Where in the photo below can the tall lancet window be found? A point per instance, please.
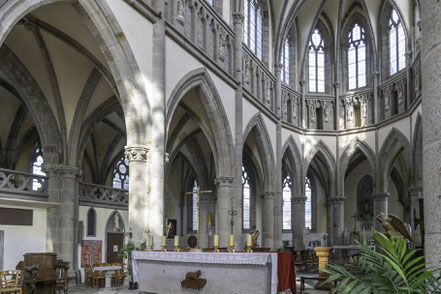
(121, 174)
(246, 194)
(37, 165)
(357, 58)
(397, 44)
(308, 203)
(195, 206)
(285, 61)
(316, 63)
(252, 27)
(287, 194)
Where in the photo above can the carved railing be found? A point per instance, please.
(392, 95)
(291, 106)
(103, 196)
(197, 21)
(356, 109)
(20, 185)
(416, 78)
(258, 81)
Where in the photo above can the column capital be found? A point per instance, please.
(136, 153)
(376, 74)
(278, 67)
(337, 200)
(268, 195)
(337, 84)
(380, 196)
(238, 17)
(299, 200)
(67, 171)
(302, 83)
(223, 181)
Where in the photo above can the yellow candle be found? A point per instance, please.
(249, 241)
(216, 240)
(231, 240)
(151, 240)
(176, 241)
(164, 240)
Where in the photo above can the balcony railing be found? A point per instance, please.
(103, 196)
(291, 107)
(20, 185)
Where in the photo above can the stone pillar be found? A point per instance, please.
(62, 221)
(416, 196)
(224, 204)
(278, 228)
(338, 219)
(338, 124)
(298, 222)
(2, 249)
(157, 157)
(238, 144)
(205, 206)
(380, 205)
(268, 219)
(431, 97)
(138, 197)
(304, 111)
(377, 105)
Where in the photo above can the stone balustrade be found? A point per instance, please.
(291, 106)
(103, 196)
(20, 185)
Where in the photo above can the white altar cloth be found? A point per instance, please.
(221, 258)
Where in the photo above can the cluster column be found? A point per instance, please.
(62, 220)
(224, 206)
(278, 227)
(431, 97)
(338, 218)
(268, 219)
(298, 222)
(380, 205)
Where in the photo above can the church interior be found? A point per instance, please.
(254, 132)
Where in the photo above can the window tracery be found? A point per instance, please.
(285, 61)
(397, 44)
(252, 27)
(121, 174)
(308, 203)
(316, 63)
(37, 165)
(246, 194)
(287, 194)
(357, 57)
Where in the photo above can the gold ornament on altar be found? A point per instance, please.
(192, 281)
(393, 226)
(198, 192)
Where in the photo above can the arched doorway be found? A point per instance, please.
(115, 237)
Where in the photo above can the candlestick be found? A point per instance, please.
(176, 243)
(164, 243)
(231, 243)
(150, 247)
(249, 243)
(216, 243)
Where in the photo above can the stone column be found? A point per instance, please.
(205, 206)
(338, 124)
(2, 249)
(224, 188)
(138, 197)
(298, 222)
(377, 105)
(268, 219)
(62, 221)
(416, 196)
(380, 205)
(338, 219)
(278, 237)
(431, 97)
(303, 85)
(238, 144)
(157, 157)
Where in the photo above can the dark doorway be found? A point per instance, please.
(114, 243)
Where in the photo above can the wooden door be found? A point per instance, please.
(114, 244)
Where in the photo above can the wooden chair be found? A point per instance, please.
(97, 277)
(119, 276)
(61, 280)
(88, 275)
(9, 282)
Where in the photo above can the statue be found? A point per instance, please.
(180, 10)
(193, 281)
(221, 45)
(116, 223)
(393, 226)
(169, 226)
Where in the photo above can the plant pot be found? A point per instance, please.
(131, 286)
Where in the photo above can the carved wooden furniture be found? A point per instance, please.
(61, 280)
(119, 275)
(88, 275)
(10, 282)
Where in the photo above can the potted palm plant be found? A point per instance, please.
(126, 252)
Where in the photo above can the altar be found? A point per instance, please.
(163, 272)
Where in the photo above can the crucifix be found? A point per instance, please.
(232, 213)
(198, 192)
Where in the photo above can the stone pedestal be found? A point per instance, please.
(323, 257)
(298, 222)
(380, 205)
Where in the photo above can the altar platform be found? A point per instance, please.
(163, 272)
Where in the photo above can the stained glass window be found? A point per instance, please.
(91, 222)
(252, 26)
(246, 194)
(195, 206)
(285, 61)
(37, 165)
(287, 194)
(308, 204)
(121, 174)
(357, 58)
(397, 44)
(316, 63)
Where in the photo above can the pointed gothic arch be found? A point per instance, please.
(291, 150)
